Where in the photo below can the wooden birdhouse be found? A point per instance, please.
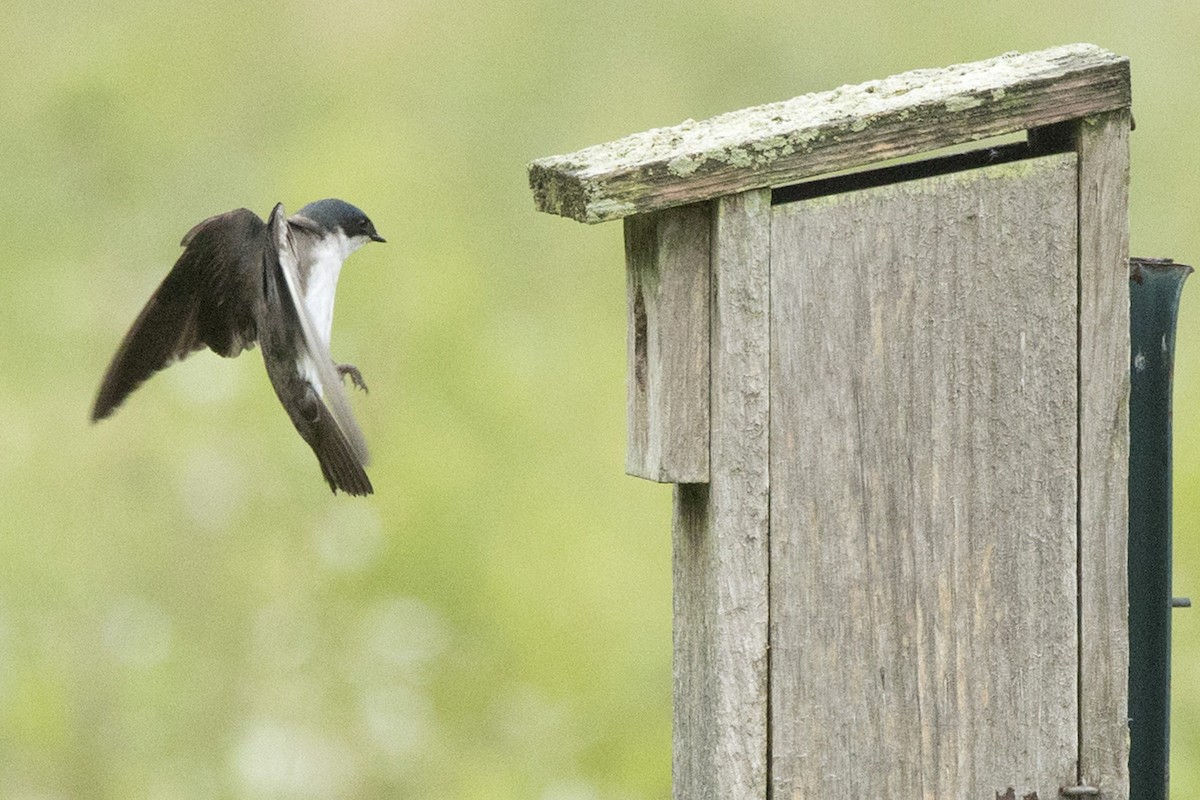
(893, 398)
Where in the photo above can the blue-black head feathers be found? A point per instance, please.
(332, 213)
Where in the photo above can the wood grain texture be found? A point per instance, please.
(781, 143)
(1103, 149)
(667, 289)
(923, 498)
(721, 532)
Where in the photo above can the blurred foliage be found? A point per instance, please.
(185, 611)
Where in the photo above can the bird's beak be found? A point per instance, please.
(375, 237)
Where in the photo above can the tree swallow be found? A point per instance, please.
(241, 281)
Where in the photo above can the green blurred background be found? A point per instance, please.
(185, 610)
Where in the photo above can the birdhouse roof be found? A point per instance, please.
(782, 143)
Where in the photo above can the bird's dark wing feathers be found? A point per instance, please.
(333, 435)
(209, 298)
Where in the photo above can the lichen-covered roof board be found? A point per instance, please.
(814, 134)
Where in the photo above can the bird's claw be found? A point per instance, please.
(355, 376)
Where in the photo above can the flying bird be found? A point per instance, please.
(242, 281)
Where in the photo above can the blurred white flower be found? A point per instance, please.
(405, 632)
(211, 486)
(274, 759)
(137, 633)
(350, 538)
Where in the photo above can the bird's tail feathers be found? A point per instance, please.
(339, 464)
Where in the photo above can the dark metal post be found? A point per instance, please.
(1155, 287)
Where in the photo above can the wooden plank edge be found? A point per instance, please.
(1103, 146)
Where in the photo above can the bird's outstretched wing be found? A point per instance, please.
(327, 425)
(210, 298)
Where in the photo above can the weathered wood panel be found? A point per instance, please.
(1103, 148)
(781, 143)
(721, 532)
(667, 269)
(923, 498)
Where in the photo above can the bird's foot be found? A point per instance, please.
(355, 376)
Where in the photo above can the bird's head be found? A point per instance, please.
(333, 217)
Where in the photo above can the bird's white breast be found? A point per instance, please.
(326, 258)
